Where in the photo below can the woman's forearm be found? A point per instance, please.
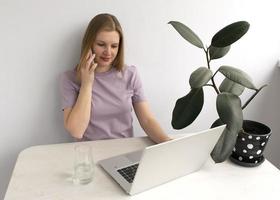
(78, 119)
(154, 131)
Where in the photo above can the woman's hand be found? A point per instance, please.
(76, 118)
(87, 70)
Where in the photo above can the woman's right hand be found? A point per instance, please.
(76, 118)
(87, 70)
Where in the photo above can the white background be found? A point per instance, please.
(40, 39)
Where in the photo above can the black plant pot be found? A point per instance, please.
(250, 144)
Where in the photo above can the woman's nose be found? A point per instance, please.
(107, 50)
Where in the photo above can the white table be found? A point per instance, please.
(44, 173)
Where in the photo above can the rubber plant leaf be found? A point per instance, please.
(229, 110)
(238, 76)
(187, 33)
(230, 34)
(231, 87)
(200, 77)
(230, 113)
(218, 52)
(187, 108)
(224, 146)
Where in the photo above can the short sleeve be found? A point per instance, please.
(68, 90)
(138, 91)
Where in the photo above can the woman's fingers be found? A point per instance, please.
(90, 61)
(92, 58)
(90, 65)
(89, 53)
(88, 58)
(92, 68)
(87, 68)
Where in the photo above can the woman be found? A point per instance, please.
(98, 96)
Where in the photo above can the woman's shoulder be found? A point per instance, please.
(130, 69)
(69, 76)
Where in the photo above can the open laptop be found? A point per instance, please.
(157, 164)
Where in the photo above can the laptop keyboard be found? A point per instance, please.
(129, 172)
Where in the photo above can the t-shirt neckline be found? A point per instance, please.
(105, 73)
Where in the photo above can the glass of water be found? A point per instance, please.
(83, 164)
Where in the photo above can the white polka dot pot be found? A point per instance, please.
(250, 144)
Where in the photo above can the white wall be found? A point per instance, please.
(40, 39)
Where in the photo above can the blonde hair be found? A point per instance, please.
(102, 22)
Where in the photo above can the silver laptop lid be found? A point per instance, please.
(167, 161)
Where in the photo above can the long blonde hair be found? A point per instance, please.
(102, 22)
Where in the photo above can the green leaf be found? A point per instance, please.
(229, 110)
(187, 108)
(230, 113)
(238, 76)
(230, 34)
(224, 146)
(229, 86)
(218, 52)
(187, 33)
(216, 123)
(200, 77)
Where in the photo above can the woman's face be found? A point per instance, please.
(106, 48)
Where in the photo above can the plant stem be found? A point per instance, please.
(208, 65)
(252, 97)
(215, 73)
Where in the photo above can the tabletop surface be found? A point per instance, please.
(45, 172)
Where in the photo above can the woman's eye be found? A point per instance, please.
(100, 45)
(114, 47)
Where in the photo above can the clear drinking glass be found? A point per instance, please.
(83, 164)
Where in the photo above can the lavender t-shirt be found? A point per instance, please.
(113, 94)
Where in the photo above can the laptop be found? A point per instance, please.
(141, 170)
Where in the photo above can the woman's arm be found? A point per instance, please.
(76, 118)
(149, 123)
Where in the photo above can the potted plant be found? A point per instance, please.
(252, 136)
